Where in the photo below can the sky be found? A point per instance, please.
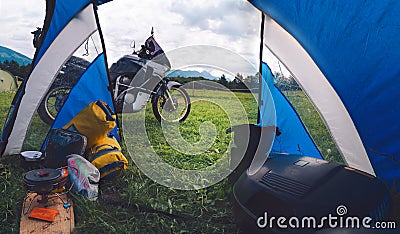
(230, 24)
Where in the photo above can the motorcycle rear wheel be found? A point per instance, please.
(52, 103)
(175, 110)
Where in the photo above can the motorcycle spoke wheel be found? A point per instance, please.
(174, 107)
(52, 103)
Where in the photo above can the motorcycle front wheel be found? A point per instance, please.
(52, 103)
(173, 106)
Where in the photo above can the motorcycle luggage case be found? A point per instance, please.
(128, 65)
(299, 186)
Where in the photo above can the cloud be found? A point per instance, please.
(231, 24)
(18, 18)
(225, 17)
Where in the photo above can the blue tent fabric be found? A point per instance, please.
(355, 44)
(294, 138)
(99, 2)
(267, 106)
(92, 86)
(64, 11)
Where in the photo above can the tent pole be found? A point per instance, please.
(110, 88)
(260, 79)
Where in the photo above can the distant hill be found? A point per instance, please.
(9, 54)
(186, 74)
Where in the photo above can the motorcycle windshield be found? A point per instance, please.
(156, 52)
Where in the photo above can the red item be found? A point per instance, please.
(45, 214)
(43, 173)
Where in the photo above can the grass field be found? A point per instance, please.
(136, 204)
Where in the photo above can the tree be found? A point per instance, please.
(223, 80)
(14, 68)
(251, 81)
(238, 82)
(286, 83)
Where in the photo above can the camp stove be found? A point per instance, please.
(45, 181)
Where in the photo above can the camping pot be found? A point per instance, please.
(43, 181)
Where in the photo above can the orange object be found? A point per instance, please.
(64, 172)
(45, 214)
(59, 190)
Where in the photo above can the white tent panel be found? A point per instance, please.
(64, 45)
(319, 90)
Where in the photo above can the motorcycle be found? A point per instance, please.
(136, 79)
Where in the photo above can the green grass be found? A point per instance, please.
(5, 101)
(314, 125)
(203, 110)
(127, 204)
(35, 135)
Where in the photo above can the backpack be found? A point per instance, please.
(106, 156)
(95, 121)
